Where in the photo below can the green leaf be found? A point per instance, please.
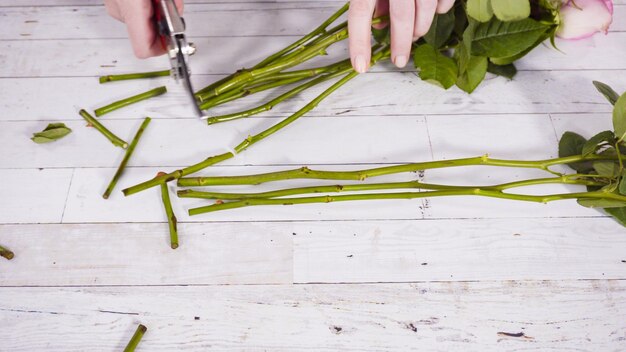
(51, 133)
(511, 10)
(381, 35)
(606, 168)
(607, 91)
(509, 71)
(590, 146)
(618, 214)
(619, 117)
(480, 10)
(622, 185)
(601, 203)
(460, 19)
(497, 39)
(475, 72)
(441, 29)
(572, 144)
(435, 67)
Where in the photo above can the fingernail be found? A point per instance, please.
(359, 64)
(400, 61)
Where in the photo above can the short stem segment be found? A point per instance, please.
(117, 141)
(134, 341)
(140, 75)
(131, 100)
(6, 253)
(171, 218)
(129, 152)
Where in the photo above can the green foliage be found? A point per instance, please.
(497, 39)
(480, 10)
(572, 144)
(441, 29)
(606, 168)
(435, 67)
(592, 144)
(618, 214)
(51, 133)
(607, 91)
(601, 203)
(473, 74)
(511, 10)
(619, 117)
(509, 71)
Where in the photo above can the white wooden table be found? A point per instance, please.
(427, 275)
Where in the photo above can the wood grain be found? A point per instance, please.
(576, 315)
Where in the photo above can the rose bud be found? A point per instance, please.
(583, 18)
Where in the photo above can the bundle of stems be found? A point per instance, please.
(226, 200)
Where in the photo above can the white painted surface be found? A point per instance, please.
(441, 274)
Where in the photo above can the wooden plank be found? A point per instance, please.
(140, 254)
(172, 142)
(213, 20)
(372, 94)
(261, 19)
(466, 250)
(465, 316)
(33, 195)
(89, 57)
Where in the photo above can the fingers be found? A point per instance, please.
(425, 13)
(137, 15)
(444, 6)
(180, 7)
(359, 27)
(113, 9)
(402, 14)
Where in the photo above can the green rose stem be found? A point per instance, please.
(484, 192)
(318, 48)
(321, 29)
(236, 94)
(568, 179)
(270, 104)
(117, 141)
(171, 218)
(131, 100)
(139, 75)
(129, 152)
(252, 139)
(361, 175)
(6, 253)
(269, 82)
(134, 341)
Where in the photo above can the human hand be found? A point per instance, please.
(410, 20)
(137, 15)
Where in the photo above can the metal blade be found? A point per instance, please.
(184, 75)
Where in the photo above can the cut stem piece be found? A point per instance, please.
(139, 75)
(131, 100)
(117, 141)
(171, 218)
(6, 253)
(129, 152)
(134, 341)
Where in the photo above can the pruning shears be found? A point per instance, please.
(171, 30)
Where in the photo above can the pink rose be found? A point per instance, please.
(583, 18)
